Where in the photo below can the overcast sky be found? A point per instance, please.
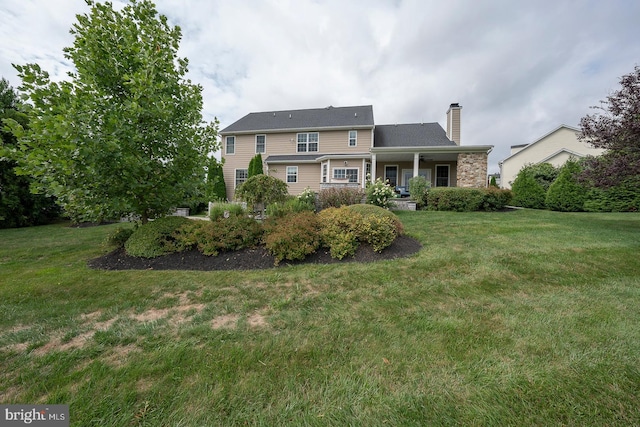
(519, 69)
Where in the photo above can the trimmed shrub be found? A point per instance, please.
(372, 210)
(292, 237)
(378, 231)
(118, 237)
(339, 231)
(381, 194)
(225, 210)
(418, 190)
(624, 197)
(155, 238)
(495, 199)
(454, 199)
(566, 194)
(334, 197)
(222, 234)
(527, 191)
(290, 206)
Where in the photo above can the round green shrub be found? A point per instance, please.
(292, 237)
(373, 210)
(339, 231)
(155, 238)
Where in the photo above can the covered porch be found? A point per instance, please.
(451, 166)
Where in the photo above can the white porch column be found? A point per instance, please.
(416, 164)
(373, 167)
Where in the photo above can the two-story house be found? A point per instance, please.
(323, 147)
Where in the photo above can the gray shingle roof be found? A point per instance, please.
(316, 118)
(411, 135)
(292, 157)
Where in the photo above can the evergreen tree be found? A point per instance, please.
(566, 194)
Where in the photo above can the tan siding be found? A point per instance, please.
(561, 139)
(330, 142)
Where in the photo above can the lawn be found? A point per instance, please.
(514, 318)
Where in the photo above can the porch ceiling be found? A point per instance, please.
(408, 157)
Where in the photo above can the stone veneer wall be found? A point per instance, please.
(472, 170)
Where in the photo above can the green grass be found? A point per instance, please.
(518, 318)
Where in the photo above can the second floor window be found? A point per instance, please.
(261, 144)
(308, 142)
(231, 145)
(353, 138)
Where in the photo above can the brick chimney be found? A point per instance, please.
(453, 123)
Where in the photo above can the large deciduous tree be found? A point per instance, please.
(617, 129)
(124, 134)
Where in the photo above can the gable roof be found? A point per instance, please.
(411, 135)
(526, 146)
(310, 119)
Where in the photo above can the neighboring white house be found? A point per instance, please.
(556, 147)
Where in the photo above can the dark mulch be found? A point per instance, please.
(247, 259)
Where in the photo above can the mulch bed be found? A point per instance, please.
(247, 259)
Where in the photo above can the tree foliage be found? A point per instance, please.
(216, 189)
(616, 127)
(124, 134)
(262, 190)
(255, 166)
(18, 206)
(529, 187)
(566, 194)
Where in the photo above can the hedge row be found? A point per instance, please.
(467, 199)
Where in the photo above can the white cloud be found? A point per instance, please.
(518, 69)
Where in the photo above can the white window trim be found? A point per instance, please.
(296, 174)
(307, 142)
(435, 177)
(235, 176)
(349, 138)
(346, 175)
(265, 144)
(226, 145)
